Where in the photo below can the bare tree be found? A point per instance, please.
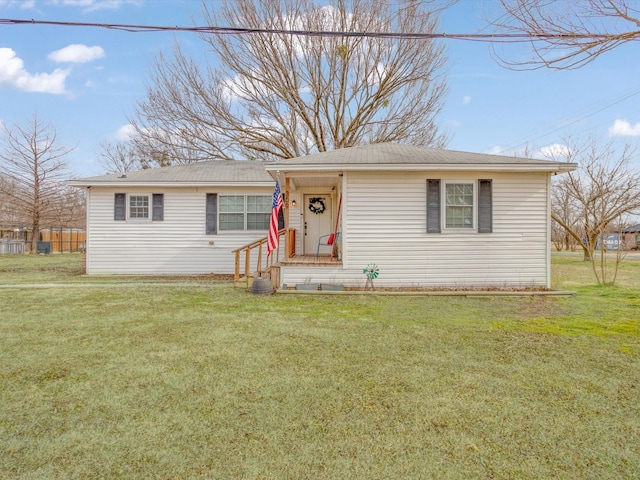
(570, 33)
(33, 162)
(566, 208)
(119, 157)
(68, 209)
(8, 217)
(589, 202)
(279, 95)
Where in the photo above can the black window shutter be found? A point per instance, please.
(158, 206)
(119, 206)
(485, 207)
(433, 206)
(212, 213)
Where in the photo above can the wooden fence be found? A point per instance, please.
(51, 239)
(64, 239)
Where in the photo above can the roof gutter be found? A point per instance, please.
(140, 184)
(491, 167)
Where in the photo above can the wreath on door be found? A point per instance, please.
(317, 205)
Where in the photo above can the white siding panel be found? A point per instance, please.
(177, 245)
(384, 222)
(386, 225)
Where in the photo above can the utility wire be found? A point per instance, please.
(478, 37)
(564, 124)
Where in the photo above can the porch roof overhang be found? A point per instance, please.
(310, 179)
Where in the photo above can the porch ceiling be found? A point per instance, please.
(314, 181)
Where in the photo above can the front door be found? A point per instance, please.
(317, 221)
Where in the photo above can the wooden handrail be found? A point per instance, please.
(247, 259)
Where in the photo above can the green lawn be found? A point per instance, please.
(115, 378)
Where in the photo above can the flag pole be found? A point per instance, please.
(276, 206)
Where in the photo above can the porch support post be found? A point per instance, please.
(287, 247)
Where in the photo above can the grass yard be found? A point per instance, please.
(118, 378)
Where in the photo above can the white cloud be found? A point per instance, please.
(76, 54)
(21, 4)
(623, 128)
(78, 3)
(556, 150)
(125, 133)
(466, 100)
(89, 5)
(495, 150)
(14, 75)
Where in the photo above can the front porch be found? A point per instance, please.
(252, 261)
(323, 259)
(310, 233)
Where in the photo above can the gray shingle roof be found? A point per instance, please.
(215, 172)
(370, 157)
(397, 154)
(632, 229)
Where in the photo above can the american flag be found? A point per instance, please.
(272, 238)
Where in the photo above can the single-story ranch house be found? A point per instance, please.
(427, 218)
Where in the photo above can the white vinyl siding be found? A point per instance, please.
(385, 223)
(179, 245)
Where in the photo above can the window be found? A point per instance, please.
(458, 205)
(231, 212)
(239, 212)
(258, 212)
(464, 206)
(139, 206)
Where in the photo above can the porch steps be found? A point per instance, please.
(246, 281)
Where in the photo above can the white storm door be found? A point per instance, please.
(317, 221)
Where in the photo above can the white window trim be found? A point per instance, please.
(443, 207)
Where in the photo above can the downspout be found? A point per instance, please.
(87, 236)
(287, 247)
(548, 236)
(343, 227)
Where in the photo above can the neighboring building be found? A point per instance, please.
(631, 237)
(425, 217)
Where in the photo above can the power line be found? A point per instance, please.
(478, 37)
(564, 123)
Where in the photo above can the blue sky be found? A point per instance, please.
(86, 81)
